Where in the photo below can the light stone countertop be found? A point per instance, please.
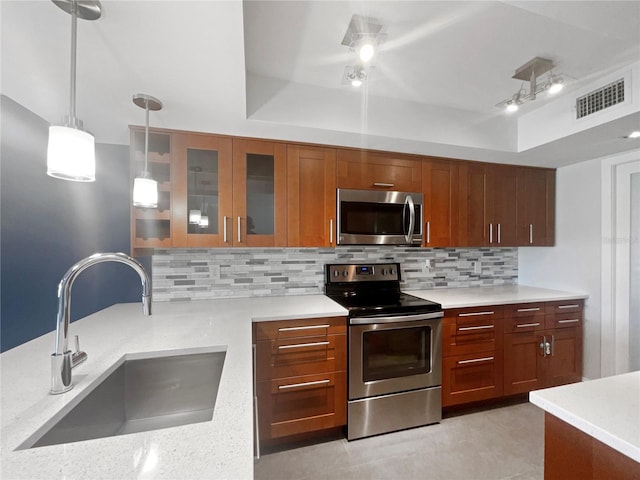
(608, 409)
(221, 448)
(497, 295)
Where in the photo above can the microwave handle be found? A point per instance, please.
(412, 219)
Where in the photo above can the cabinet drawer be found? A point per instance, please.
(470, 338)
(302, 404)
(564, 320)
(291, 357)
(567, 306)
(306, 327)
(469, 378)
(524, 317)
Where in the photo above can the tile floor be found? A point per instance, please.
(506, 442)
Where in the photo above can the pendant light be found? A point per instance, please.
(71, 153)
(145, 189)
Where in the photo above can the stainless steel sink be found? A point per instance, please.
(139, 393)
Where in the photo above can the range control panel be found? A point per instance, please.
(362, 272)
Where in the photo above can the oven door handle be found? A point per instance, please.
(395, 318)
(412, 218)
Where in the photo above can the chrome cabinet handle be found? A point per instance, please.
(475, 360)
(536, 309)
(239, 229)
(384, 185)
(224, 229)
(491, 233)
(306, 327)
(331, 232)
(473, 314)
(553, 345)
(575, 320)
(546, 346)
(302, 345)
(483, 327)
(303, 384)
(531, 233)
(499, 241)
(428, 232)
(575, 305)
(524, 325)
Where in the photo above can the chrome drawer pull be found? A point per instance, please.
(483, 327)
(536, 309)
(475, 360)
(568, 306)
(474, 314)
(385, 185)
(302, 345)
(524, 325)
(304, 384)
(307, 327)
(575, 320)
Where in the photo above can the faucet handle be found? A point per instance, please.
(78, 356)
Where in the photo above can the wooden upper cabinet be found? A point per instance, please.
(365, 170)
(259, 194)
(502, 205)
(152, 227)
(487, 205)
(440, 187)
(536, 206)
(202, 190)
(311, 196)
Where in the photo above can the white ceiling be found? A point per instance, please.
(274, 69)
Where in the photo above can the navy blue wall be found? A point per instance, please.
(48, 224)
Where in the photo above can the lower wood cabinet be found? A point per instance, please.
(501, 350)
(300, 376)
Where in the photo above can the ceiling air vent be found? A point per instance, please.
(600, 99)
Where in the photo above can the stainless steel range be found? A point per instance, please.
(395, 355)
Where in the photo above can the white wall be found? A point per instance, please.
(574, 263)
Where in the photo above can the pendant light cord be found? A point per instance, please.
(146, 137)
(72, 89)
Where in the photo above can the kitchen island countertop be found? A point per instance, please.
(220, 448)
(607, 409)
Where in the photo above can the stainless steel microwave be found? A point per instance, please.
(373, 217)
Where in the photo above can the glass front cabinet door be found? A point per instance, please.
(202, 191)
(259, 194)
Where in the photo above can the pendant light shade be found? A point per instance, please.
(145, 193)
(145, 189)
(71, 153)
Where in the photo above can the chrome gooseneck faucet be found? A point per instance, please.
(63, 360)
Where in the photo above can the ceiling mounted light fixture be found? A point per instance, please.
(71, 153)
(530, 72)
(363, 36)
(145, 189)
(354, 75)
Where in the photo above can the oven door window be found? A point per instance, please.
(393, 353)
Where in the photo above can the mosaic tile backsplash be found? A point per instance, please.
(195, 274)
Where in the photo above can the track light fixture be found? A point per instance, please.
(363, 36)
(355, 75)
(531, 72)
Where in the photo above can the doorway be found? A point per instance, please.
(621, 265)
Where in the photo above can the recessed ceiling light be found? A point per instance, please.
(512, 107)
(634, 134)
